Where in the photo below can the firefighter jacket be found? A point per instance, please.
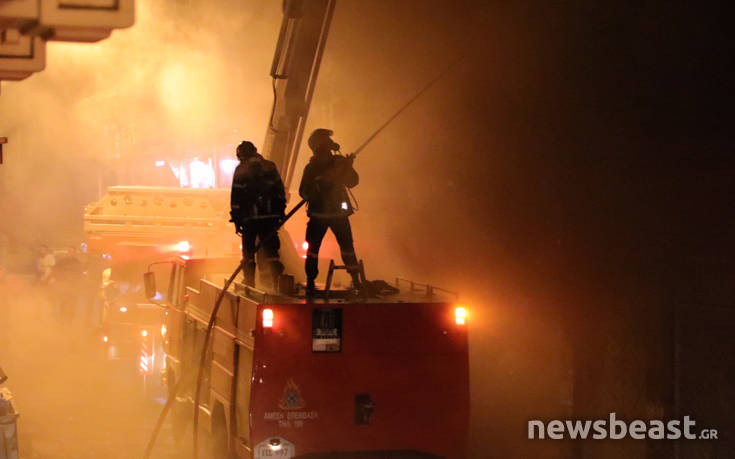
(257, 191)
(324, 186)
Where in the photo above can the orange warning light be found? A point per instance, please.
(460, 315)
(267, 318)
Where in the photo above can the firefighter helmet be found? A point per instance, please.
(322, 138)
(246, 148)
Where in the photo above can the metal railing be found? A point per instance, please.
(428, 289)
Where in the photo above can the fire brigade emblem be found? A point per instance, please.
(291, 398)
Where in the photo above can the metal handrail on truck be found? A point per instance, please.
(428, 288)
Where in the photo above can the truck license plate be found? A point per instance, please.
(264, 450)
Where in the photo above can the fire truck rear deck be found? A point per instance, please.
(341, 377)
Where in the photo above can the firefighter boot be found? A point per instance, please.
(310, 288)
(356, 284)
(248, 272)
(358, 288)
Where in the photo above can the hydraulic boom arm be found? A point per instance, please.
(294, 71)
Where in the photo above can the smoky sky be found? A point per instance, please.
(571, 136)
(572, 163)
(188, 79)
(567, 176)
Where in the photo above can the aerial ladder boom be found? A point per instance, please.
(294, 71)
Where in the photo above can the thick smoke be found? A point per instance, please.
(569, 176)
(187, 79)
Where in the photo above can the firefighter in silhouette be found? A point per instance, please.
(257, 203)
(324, 186)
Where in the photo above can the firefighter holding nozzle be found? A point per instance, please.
(257, 202)
(324, 186)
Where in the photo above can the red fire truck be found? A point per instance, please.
(383, 375)
(340, 376)
(129, 228)
(379, 374)
(135, 228)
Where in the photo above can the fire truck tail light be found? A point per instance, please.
(267, 318)
(460, 315)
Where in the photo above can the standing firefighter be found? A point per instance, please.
(258, 200)
(324, 186)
